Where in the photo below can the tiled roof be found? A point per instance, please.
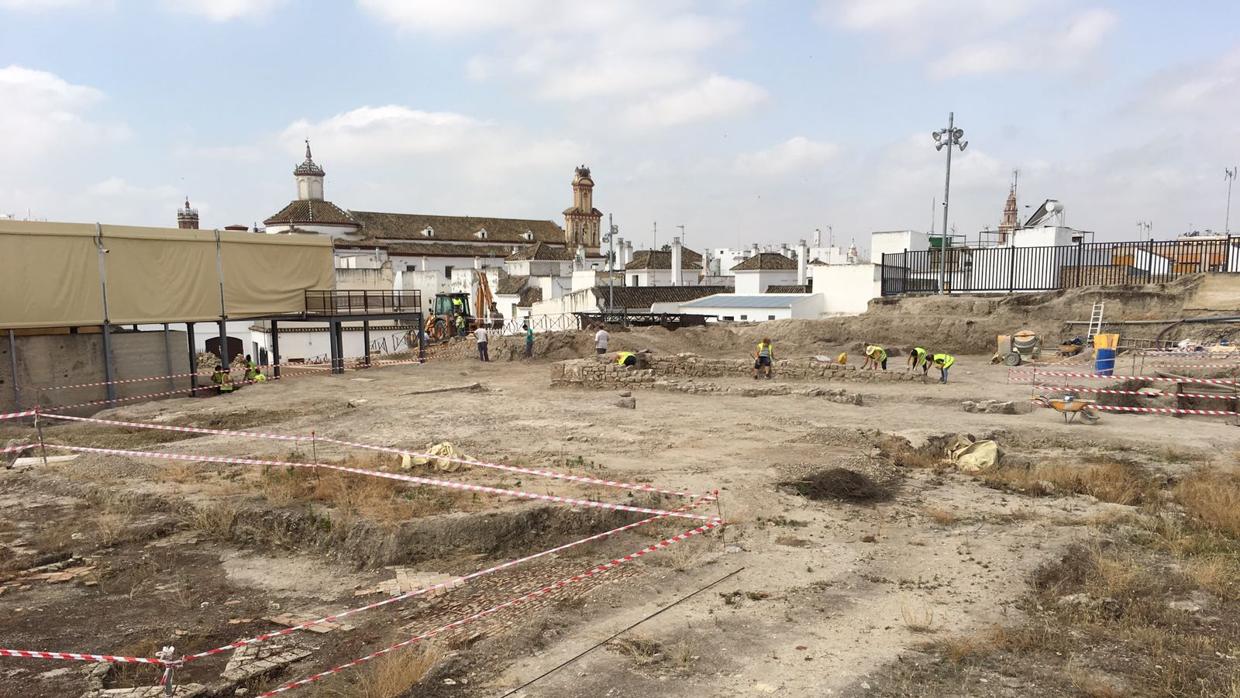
(662, 259)
(766, 261)
(510, 285)
(644, 296)
(794, 288)
(529, 297)
(308, 212)
(444, 249)
(410, 226)
(541, 252)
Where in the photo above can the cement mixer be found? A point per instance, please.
(1016, 349)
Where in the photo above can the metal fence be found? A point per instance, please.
(1007, 268)
(332, 303)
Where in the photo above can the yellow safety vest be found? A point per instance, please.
(944, 360)
(764, 350)
(622, 355)
(921, 356)
(876, 352)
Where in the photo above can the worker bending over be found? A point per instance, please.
(763, 358)
(919, 358)
(875, 358)
(944, 362)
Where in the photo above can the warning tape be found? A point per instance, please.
(382, 449)
(16, 449)
(16, 415)
(543, 591)
(1107, 391)
(1165, 410)
(147, 396)
(1173, 364)
(81, 657)
(452, 583)
(1065, 374)
(448, 484)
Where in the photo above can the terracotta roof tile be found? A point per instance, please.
(410, 226)
(662, 259)
(308, 212)
(541, 252)
(510, 285)
(529, 296)
(642, 297)
(794, 288)
(766, 261)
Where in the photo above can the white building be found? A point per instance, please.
(756, 274)
(742, 307)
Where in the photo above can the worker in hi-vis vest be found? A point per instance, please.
(626, 358)
(875, 357)
(944, 362)
(763, 358)
(919, 358)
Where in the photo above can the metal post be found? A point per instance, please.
(219, 271)
(38, 427)
(168, 357)
(1230, 176)
(193, 360)
(275, 349)
(17, 391)
(947, 191)
(225, 359)
(1011, 268)
(611, 263)
(108, 377)
(366, 342)
(1080, 249)
(168, 681)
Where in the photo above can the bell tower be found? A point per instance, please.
(187, 218)
(309, 178)
(582, 220)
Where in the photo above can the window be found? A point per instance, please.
(770, 317)
(635, 281)
(447, 272)
(481, 234)
(527, 235)
(727, 318)
(744, 317)
(428, 232)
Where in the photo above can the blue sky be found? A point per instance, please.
(744, 120)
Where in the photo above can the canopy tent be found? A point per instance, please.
(74, 274)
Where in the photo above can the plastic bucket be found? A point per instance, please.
(1104, 362)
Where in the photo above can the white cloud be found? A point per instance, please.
(713, 97)
(576, 51)
(44, 113)
(986, 36)
(49, 5)
(797, 154)
(1210, 87)
(224, 10)
(116, 186)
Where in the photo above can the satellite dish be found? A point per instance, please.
(1053, 207)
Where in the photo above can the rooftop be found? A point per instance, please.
(306, 212)
(736, 300)
(662, 259)
(645, 296)
(766, 261)
(541, 252)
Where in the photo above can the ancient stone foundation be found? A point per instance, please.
(596, 373)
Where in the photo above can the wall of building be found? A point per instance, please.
(891, 242)
(364, 279)
(574, 302)
(1045, 236)
(846, 289)
(68, 359)
(755, 282)
(309, 342)
(807, 307)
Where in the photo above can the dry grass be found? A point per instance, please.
(1217, 574)
(212, 520)
(641, 650)
(918, 620)
(390, 676)
(1116, 482)
(1093, 686)
(1212, 499)
(943, 517)
(110, 528)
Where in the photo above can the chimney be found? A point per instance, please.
(628, 251)
(676, 254)
(477, 262)
(579, 259)
(618, 262)
(802, 262)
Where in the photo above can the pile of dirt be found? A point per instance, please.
(839, 484)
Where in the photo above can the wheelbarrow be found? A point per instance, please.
(1072, 407)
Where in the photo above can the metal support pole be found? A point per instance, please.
(366, 342)
(337, 352)
(193, 359)
(168, 357)
(275, 349)
(168, 680)
(110, 386)
(611, 263)
(947, 191)
(219, 271)
(17, 391)
(1011, 268)
(225, 359)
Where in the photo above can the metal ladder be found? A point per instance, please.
(1095, 321)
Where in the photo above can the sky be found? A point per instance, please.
(742, 120)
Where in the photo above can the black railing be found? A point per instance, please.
(334, 303)
(1007, 268)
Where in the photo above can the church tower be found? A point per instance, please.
(1010, 221)
(582, 220)
(187, 218)
(309, 178)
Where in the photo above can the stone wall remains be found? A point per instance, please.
(596, 373)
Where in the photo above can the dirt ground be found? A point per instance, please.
(864, 594)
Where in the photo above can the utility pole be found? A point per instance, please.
(1230, 176)
(611, 263)
(946, 138)
(655, 245)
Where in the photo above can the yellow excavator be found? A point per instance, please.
(441, 321)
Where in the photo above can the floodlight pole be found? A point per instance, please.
(611, 264)
(1230, 176)
(946, 138)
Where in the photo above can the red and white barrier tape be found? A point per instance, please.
(16, 449)
(1165, 410)
(16, 415)
(80, 657)
(94, 403)
(543, 591)
(1107, 391)
(1099, 376)
(638, 487)
(171, 376)
(448, 484)
(435, 587)
(1172, 364)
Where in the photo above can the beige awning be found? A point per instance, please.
(50, 274)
